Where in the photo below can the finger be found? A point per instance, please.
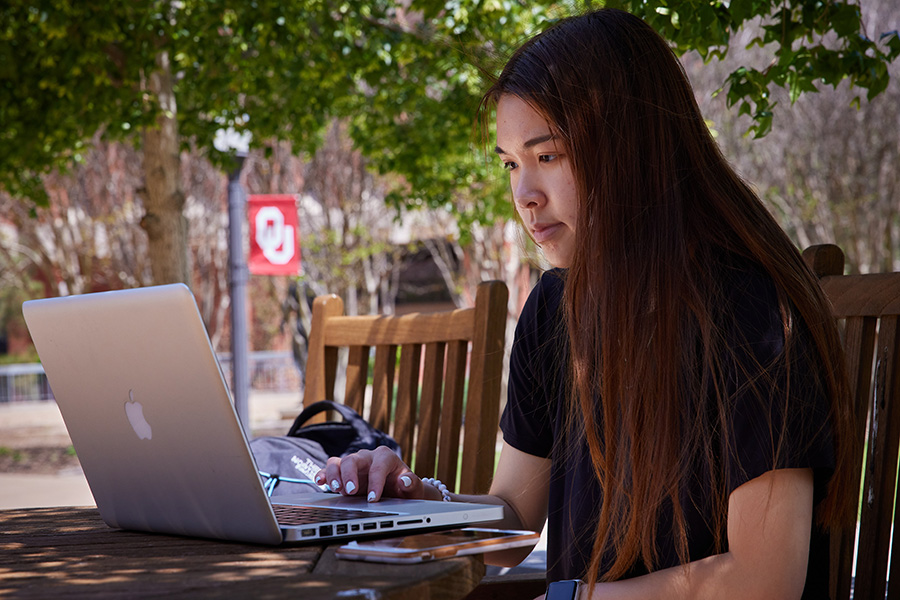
(384, 473)
(409, 485)
(355, 471)
(332, 474)
(321, 477)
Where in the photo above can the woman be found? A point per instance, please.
(677, 400)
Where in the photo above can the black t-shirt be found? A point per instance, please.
(533, 422)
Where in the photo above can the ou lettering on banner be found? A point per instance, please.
(273, 235)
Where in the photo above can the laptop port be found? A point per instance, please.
(369, 526)
(410, 522)
(387, 524)
(354, 527)
(308, 532)
(326, 530)
(339, 529)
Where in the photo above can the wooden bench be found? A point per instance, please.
(447, 361)
(867, 307)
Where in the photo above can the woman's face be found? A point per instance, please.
(540, 175)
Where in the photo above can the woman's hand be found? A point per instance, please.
(374, 473)
(521, 485)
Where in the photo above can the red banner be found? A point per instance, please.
(274, 226)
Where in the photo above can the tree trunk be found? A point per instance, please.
(164, 220)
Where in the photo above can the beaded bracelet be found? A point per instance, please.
(445, 493)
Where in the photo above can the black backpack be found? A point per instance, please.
(288, 463)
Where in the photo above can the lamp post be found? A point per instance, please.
(230, 141)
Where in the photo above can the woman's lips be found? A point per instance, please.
(544, 232)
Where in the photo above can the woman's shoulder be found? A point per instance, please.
(552, 281)
(742, 271)
(751, 306)
(542, 315)
(545, 300)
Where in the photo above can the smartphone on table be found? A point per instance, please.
(434, 545)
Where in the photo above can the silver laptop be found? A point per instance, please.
(152, 421)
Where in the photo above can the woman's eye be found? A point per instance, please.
(508, 165)
(545, 158)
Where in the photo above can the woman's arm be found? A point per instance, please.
(521, 484)
(769, 524)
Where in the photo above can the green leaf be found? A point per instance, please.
(893, 44)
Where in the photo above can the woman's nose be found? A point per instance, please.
(527, 193)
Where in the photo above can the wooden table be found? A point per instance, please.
(70, 552)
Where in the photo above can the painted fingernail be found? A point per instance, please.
(406, 481)
(371, 497)
(335, 485)
(350, 487)
(320, 479)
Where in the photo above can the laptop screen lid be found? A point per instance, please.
(139, 388)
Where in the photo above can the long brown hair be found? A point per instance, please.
(658, 207)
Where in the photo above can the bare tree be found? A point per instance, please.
(828, 169)
(88, 238)
(347, 237)
(349, 244)
(206, 217)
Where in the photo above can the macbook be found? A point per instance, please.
(152, 422)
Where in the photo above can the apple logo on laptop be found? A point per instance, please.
(135, 413)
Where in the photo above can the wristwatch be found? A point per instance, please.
(564, 590)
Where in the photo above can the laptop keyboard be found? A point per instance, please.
(289, 515)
